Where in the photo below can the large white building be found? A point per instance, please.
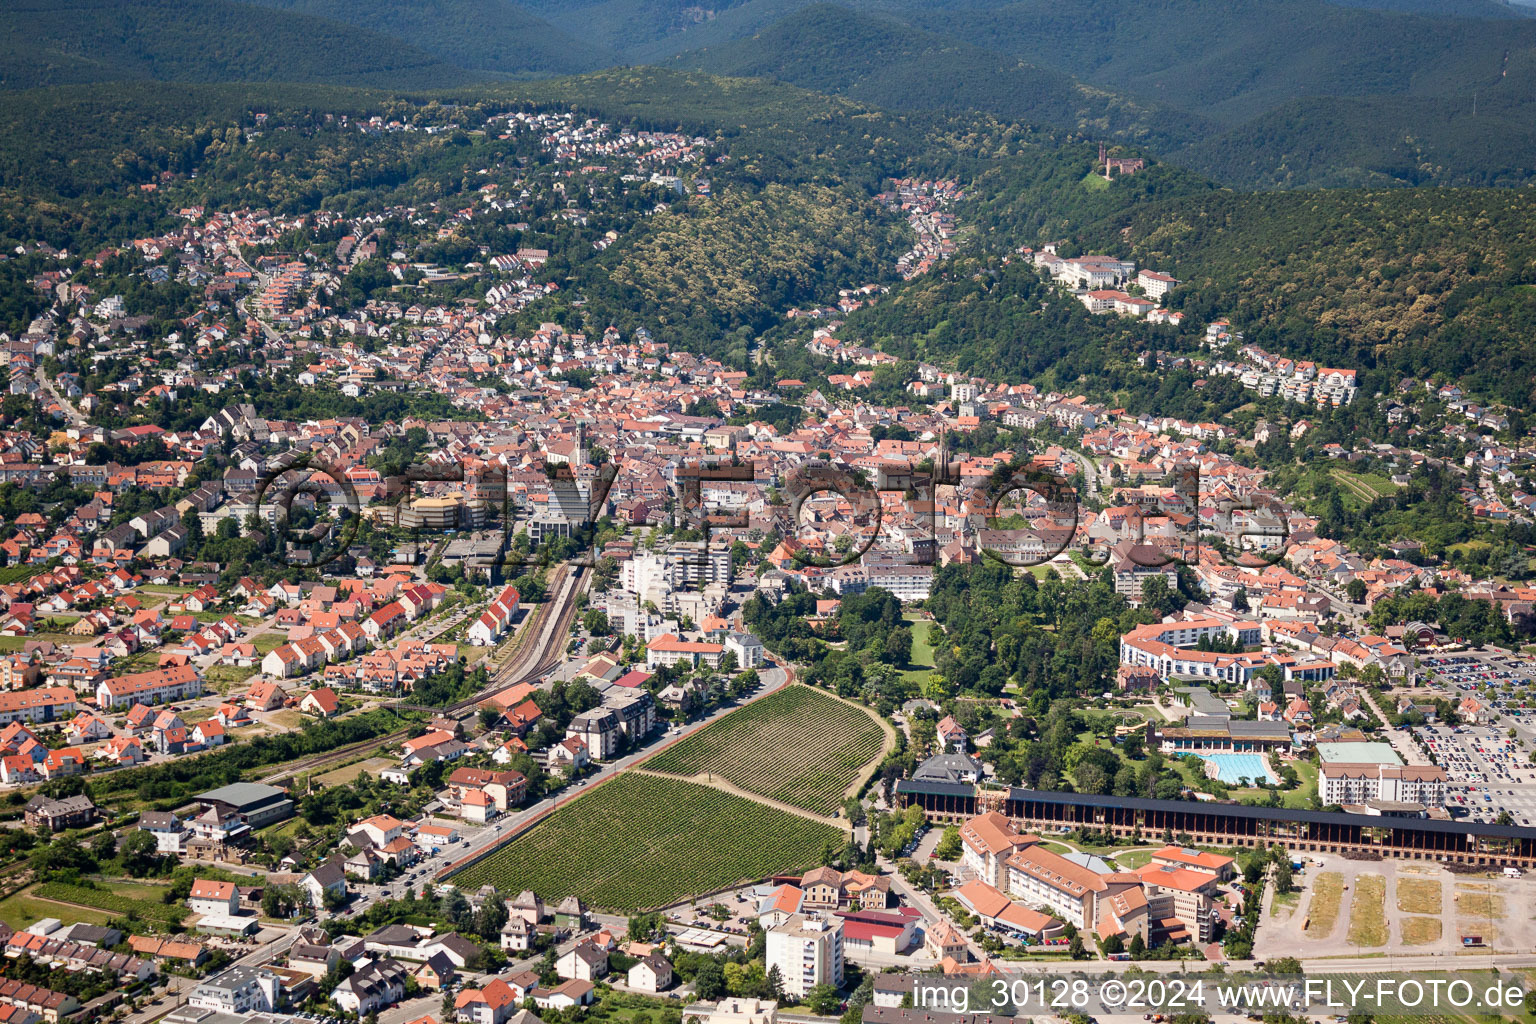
(684, 564)
(808, 951)
(1361, 773)
(1385, 783)
(747, 648)
(238, 990)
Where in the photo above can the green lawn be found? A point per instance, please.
(223, 677)
(22, 910)
(268, 642)
(1133, 859)
(921, 663)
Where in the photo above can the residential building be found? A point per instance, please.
(57, 815)
(808, 951)
(221, 899)
(238, 990)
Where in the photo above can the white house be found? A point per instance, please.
(220, 899)
(652, 973)
(587, 962)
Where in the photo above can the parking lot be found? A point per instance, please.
(1486, 771)
(1506, 682)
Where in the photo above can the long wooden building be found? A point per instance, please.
(1211, 823)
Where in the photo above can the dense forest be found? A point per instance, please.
(879, 61)
(1413, 281)
(743, 258)
(1443, 95)
(48, 43)
(488, 35)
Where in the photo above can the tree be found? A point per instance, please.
(775, 984)
(823, 1000)
(1114, 944)
(104, 846)
(1158, 597)
(1283, 877)
(709, 982)
(139, 852)
(949, 847)
(1355, 590)
(1075, 948)
(1138, 947)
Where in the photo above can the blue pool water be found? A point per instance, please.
(1232, 767)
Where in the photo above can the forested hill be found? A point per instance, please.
(1253, 93)
(1408, 280)
(1331, 142)
(395, 44)
(1235, 60)
(489, 35)
(47, 43)
(1256, 93)
(876, 60)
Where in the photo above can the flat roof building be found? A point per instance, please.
(259, 804)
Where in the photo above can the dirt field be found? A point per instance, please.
(1418, 896)
(1368, 912)
(1397, 908)
(1420, 931)
(1323, 909)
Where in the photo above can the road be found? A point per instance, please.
(261, 284)
(1090, 471)
(75, 416)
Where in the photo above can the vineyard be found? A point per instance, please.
(640, 841)
(799, 745)
(164, 914)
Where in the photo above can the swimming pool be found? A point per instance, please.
(1231, 768)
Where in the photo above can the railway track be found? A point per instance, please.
(538, 655)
